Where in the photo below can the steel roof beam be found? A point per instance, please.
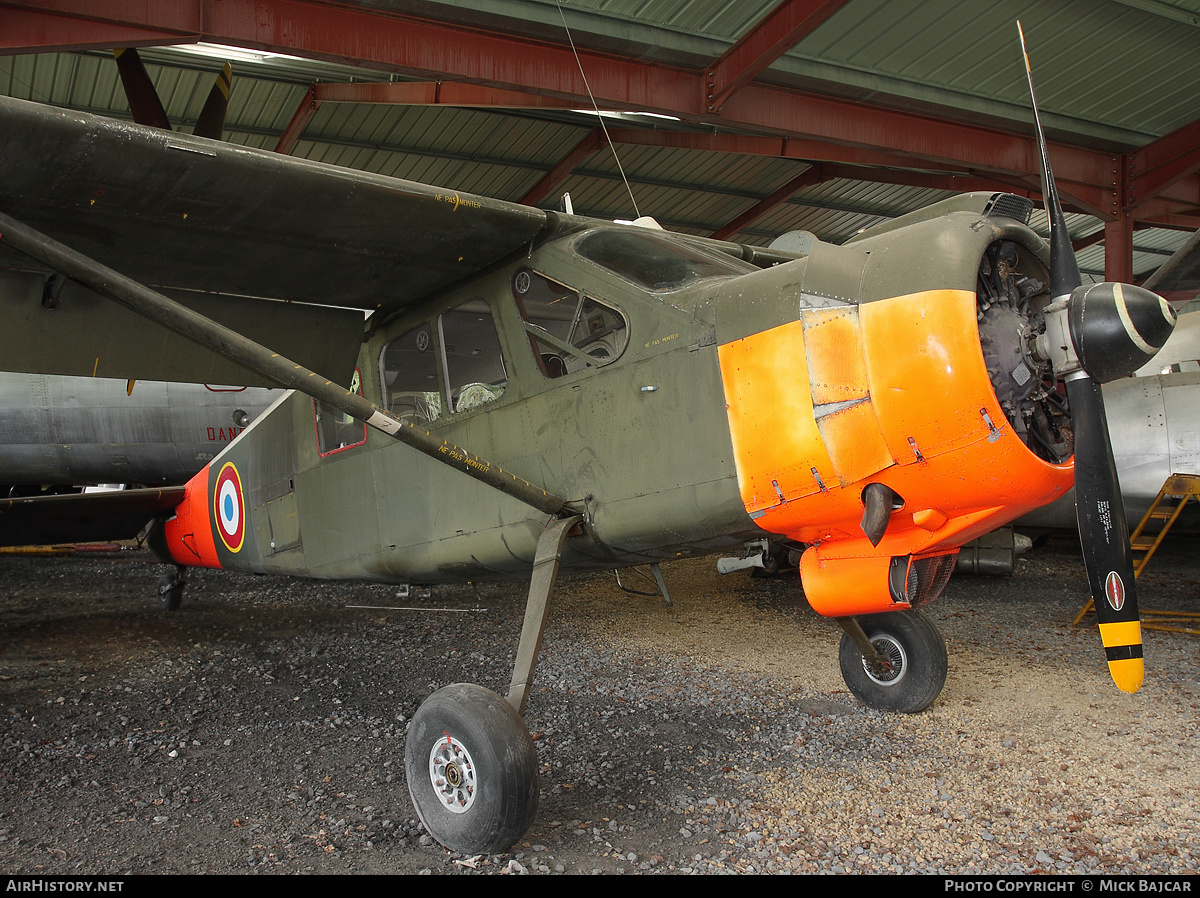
(42, 28)
(953, 182)
(780, 30)
(548, 183)
(1162, 187)
(758, 145)
(427, 48)
(434, 93)
(807, 178)
(876, 165)
(1162, 164)
(300, 118)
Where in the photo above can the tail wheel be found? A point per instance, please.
(472, 770)
(170, 592)
(916, 662)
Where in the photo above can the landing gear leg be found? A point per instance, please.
(471, 765)
(170, 589)
(905, 668)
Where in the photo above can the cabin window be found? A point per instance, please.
(409, 377)
(655, 261)
(335, 429)
(474, 365)
(567, 330)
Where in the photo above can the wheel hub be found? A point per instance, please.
(452, 773)
(894, 658)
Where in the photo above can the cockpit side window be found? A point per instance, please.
(335, 429)
(567, 330)
(475, 372)
(409, 377)
(653, 261)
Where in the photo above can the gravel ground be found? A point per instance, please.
(261, 728)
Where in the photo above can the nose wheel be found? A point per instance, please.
(908, 669)
(472, 769)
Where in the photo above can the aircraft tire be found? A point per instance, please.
(472, 769)
(170, 592)
(911, 641)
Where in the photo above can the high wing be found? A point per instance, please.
(226, 230)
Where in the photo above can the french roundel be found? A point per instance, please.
(229, 508)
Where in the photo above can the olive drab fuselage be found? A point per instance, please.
(688, 402)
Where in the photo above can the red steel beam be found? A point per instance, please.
(780, 30)
(1164, 163)
(957, 183)
(407, 93)
(434, 93)
(1179, 198)
(305, 111)
(875, 165)
(756, 145)
(22, 30)
(812, 175)
(431, 49)
(550, 181)
(1118, 249)
(1178, 222)
(1162, 186)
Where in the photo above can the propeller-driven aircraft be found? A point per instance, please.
(535, 390)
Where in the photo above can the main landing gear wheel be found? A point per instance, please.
(915, 654)
(472, 769)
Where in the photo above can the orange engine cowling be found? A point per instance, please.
(895, 392)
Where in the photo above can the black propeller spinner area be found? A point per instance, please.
(1093, 335)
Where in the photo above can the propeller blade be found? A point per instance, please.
(144, 103)
(1064, 270)
(1104, 535)
(1103, 321)
(211, 122)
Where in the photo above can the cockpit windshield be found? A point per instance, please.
(652, 261)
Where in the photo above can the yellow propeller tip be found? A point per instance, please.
(1127, 674)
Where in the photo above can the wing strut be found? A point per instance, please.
(284, 372)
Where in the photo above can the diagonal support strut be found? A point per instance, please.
(237, 348)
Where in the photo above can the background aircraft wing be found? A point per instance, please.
(1178, 279)
(182, 213)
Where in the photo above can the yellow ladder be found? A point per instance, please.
(1177, 488)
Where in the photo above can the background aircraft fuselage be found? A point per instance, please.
(1154, 425)
(57, 430)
